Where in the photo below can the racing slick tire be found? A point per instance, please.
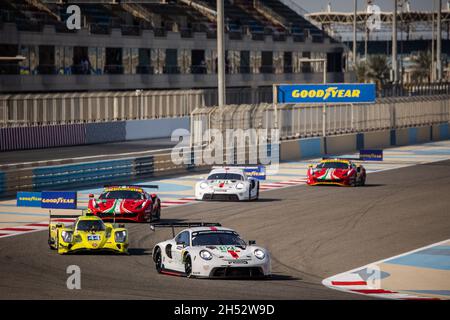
(257, 194)
(188, 266)
(52, 247)
(158, 212)
(158, 260)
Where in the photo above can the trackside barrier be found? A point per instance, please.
(42, 137)
(101, 172)
(296, 149)
(126, 170)
(76, 107)
(19, 138)
(302, 121)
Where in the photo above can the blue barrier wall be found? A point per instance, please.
(83, 173)
(412, 135)
(155, 128)
(311, 147)
(2, 183)
(444, 131)
(316, 147)
(105, 132)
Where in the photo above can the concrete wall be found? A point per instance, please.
(21, 138)
(315, 147)
(155, 128)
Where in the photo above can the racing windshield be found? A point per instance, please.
(217, 238)
(332, 165)
(90, 225)
(225, 176)
(122, 194)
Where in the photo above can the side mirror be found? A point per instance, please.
(121, 225)
(91, 195)
(251, 242)
(310, 165)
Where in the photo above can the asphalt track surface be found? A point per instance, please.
(311, 232)
(46, 154)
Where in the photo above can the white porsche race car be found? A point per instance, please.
(229, 183)
(207, 250)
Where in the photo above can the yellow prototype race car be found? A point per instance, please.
(87, 233)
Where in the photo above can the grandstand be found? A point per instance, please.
(158, 45)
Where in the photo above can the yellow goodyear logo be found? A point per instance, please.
(33, 198)
(325, 94)
(58, 200)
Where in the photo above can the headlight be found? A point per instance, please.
(120, 236)
(67, 236)
(259, 254)
(205, 255)
(240, 185)
(203, 185)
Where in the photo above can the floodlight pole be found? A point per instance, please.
(355, 4)
(394, 43)
(324, 108)
(221, 53)
(438, 43)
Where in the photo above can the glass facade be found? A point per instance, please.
(66, 60)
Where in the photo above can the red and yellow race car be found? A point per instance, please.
(342, 172)
(126, 203)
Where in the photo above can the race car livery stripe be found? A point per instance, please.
(233, 254)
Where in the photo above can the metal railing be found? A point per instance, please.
(68, 108)
(298, 121)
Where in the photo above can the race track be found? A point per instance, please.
(311, 232)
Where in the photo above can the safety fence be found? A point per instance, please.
(20, 110)
(14, 178)
(296, 121)
(68, 108)
(61, 135)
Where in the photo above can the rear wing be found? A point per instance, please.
(256, 171)
(67, 216)
(364, 155)
(183, 225)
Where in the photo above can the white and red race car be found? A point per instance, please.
(230, 183)
(207, 250)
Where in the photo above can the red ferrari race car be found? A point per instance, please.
(342, 172)
(130, 203)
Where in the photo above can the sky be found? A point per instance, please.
(347, 5)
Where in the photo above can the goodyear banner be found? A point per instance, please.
(28, 199)
(258, 172)
(371, 155)
(327, 93)
(59, 200)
